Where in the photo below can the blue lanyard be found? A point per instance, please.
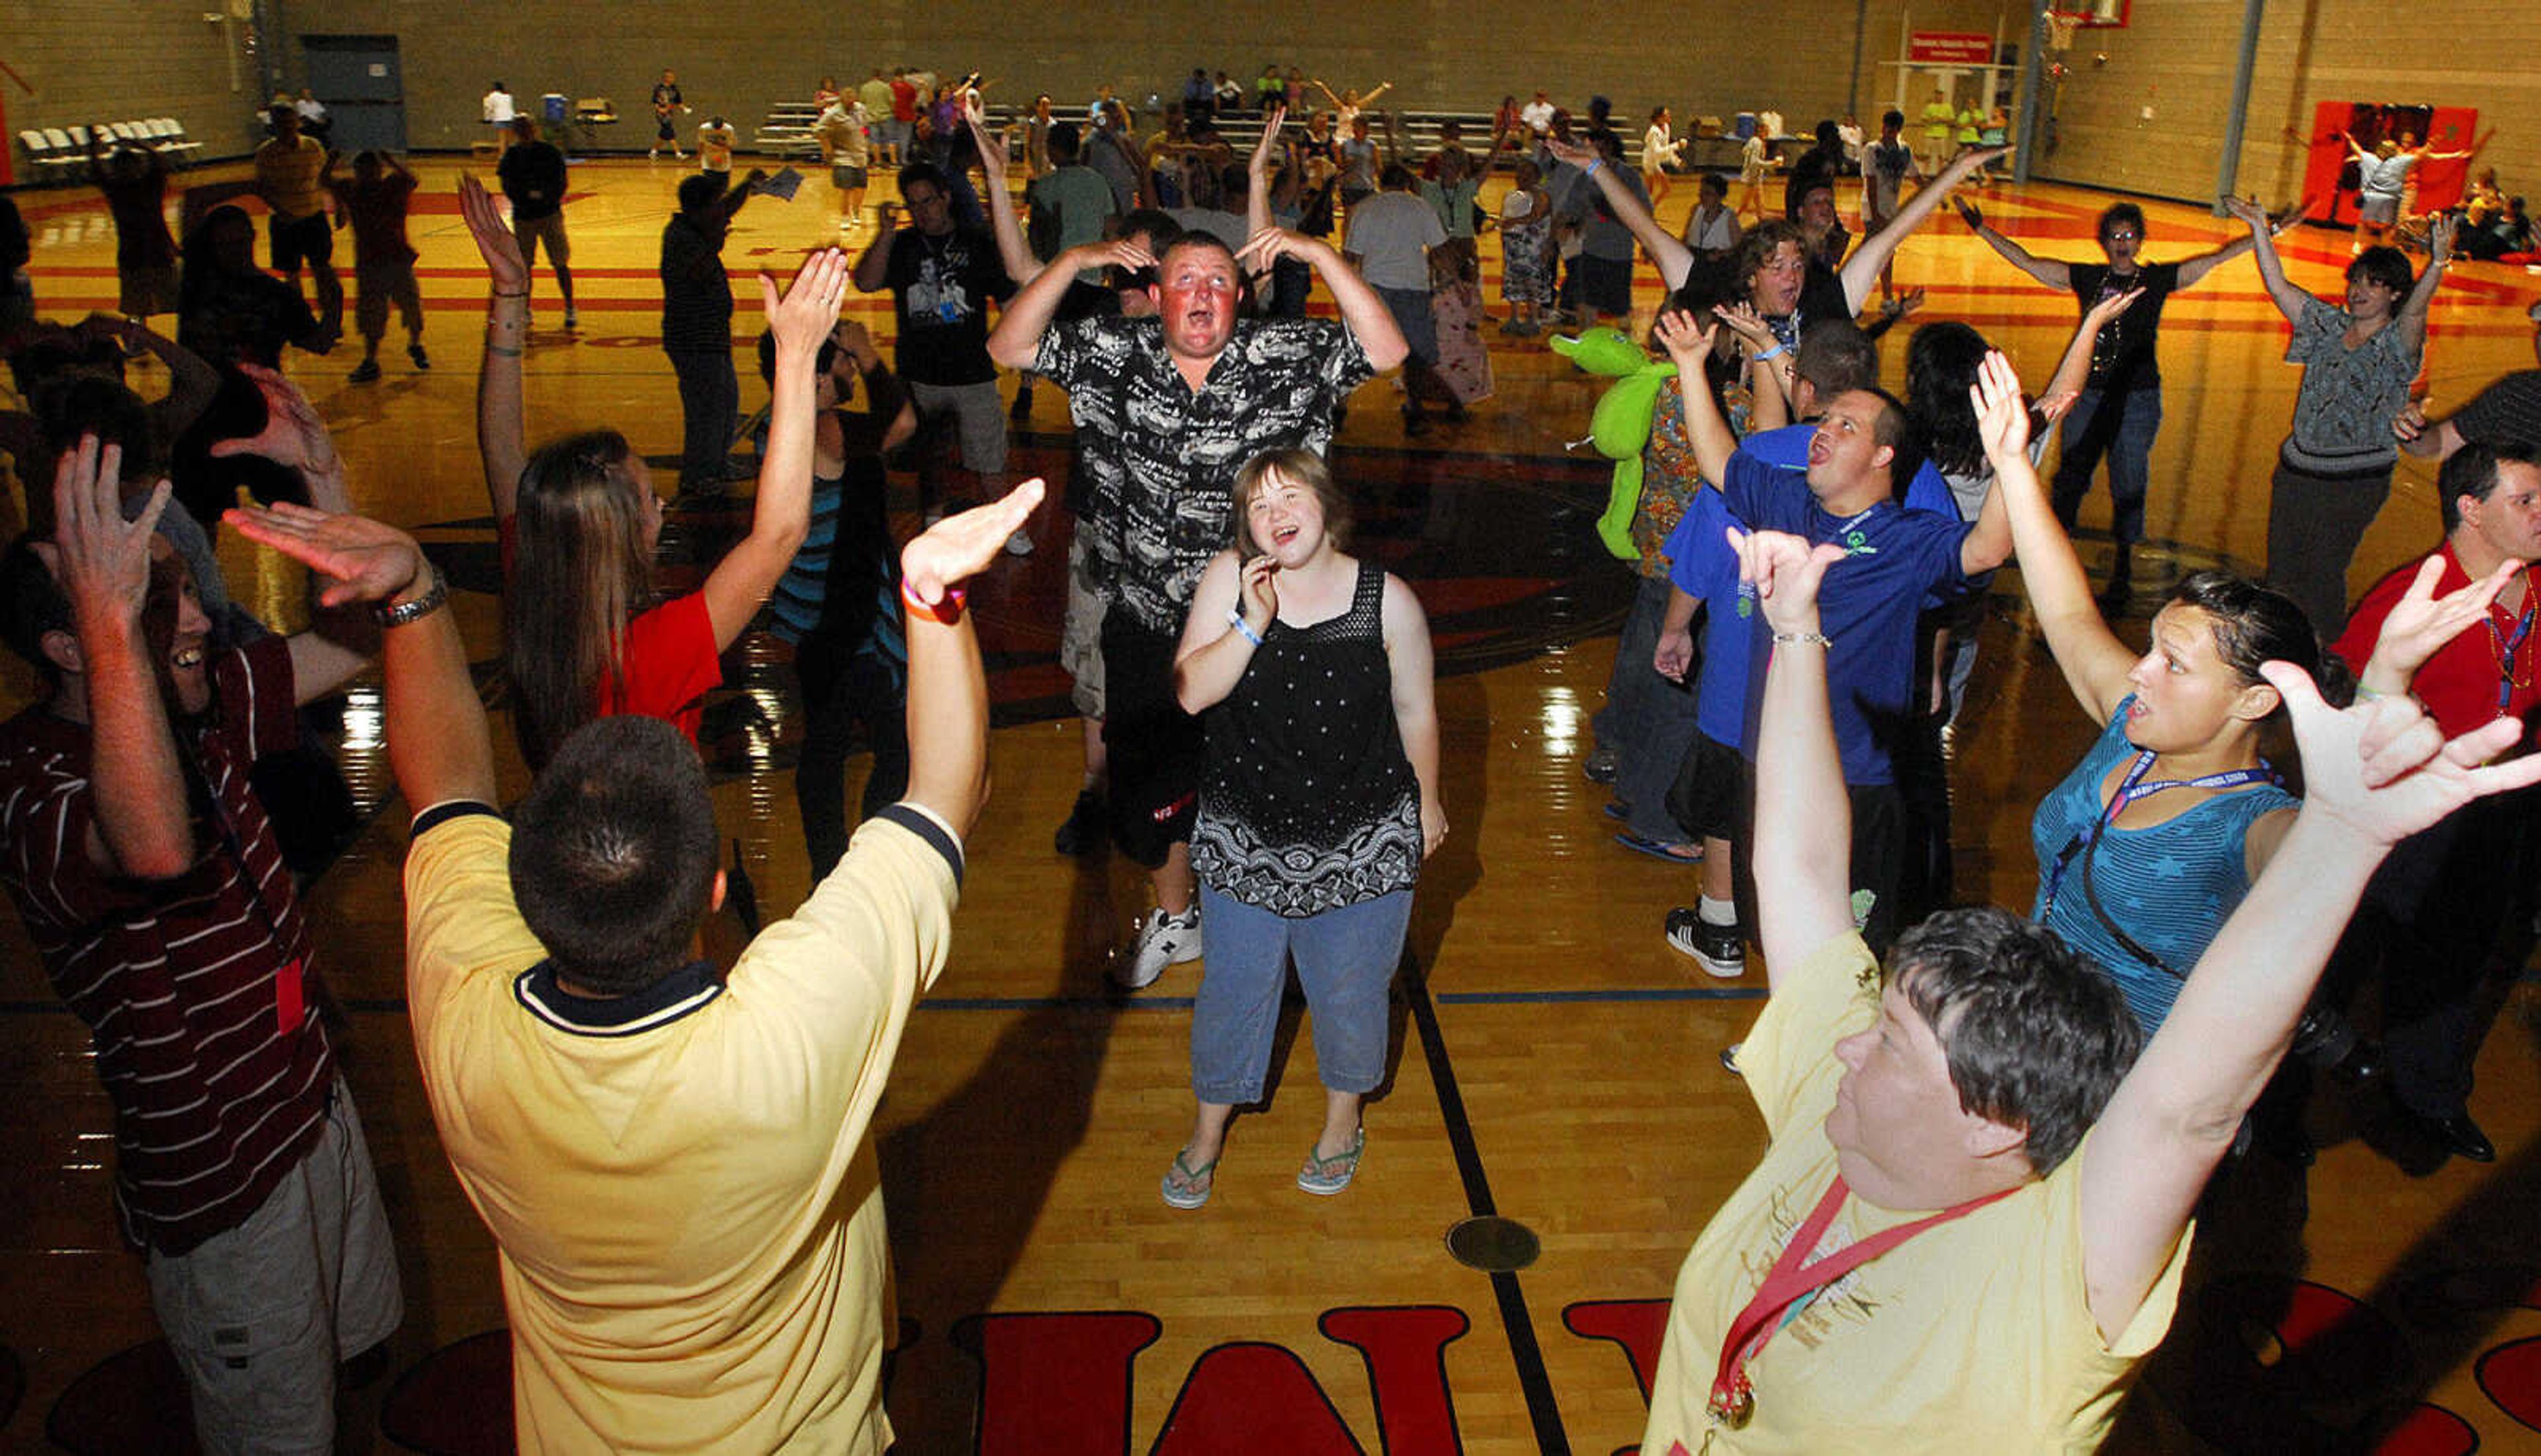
(2506, 646)
(2130, 788)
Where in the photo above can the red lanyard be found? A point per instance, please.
(1733, 1395)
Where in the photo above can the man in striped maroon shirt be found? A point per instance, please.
(149, 879)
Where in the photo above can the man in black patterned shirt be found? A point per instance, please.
(1183, 401)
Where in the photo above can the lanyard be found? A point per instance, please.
(2506, 646)
(2131, 787)
(1792, 1277)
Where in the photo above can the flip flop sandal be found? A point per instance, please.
(1657, 850)
(1196, 1185)
(1327, 1176)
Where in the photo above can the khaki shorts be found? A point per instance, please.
(1080, 633)
(978, 418)
(260, 1316)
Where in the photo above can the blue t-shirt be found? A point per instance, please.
(1868, 604)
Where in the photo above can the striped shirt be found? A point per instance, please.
(214, 1059)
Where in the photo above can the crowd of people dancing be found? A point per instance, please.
(1990, 1130)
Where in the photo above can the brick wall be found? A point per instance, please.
(2177, 58)
(125, 59)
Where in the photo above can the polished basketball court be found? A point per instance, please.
(1556, 1062)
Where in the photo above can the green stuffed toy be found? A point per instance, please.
(1620, 424)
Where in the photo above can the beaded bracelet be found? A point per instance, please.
(1819, 638)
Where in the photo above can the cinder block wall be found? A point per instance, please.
(125, 59)
(2177, 57)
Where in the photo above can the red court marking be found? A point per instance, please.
(1405, 1350)
(2510, 1375)
(1637, 1325)
(2428, 1430)
(1251, 1399)
(1055, 1384)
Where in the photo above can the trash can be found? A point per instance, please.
(1745, 126)
(554, 106)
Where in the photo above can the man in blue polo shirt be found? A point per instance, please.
(1838, 487)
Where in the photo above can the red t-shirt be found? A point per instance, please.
(2460, 683)
(670, 655)
(671, 664)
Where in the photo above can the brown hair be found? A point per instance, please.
(1298, 467)
(581, 569)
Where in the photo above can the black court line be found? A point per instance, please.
(1542, 1411)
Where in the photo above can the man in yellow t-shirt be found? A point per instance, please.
(290, 177)
(1938, 115)
(1990, 1076)
(676, 1162)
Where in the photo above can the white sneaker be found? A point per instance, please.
(1162, 941)
(1019, 544)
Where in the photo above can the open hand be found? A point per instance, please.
(494, 240)
(1686, 339)
(366, 560)
(293, 436)
(1742, 319)
(958, 547)
(1269, 147)
(2100, 312)
(101, 560)
(802, 318)
(2382, 769)
(2422, 622)
(2002, 419)
(992, 147)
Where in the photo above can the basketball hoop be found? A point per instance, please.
(2060, 31)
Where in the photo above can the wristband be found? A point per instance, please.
(1800, 639)
(947, 611)
(413, 612)
(1775, 352)
(1235, 619)
(1592, 168)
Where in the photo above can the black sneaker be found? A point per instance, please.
(1083, 828)
(364, 372)
(421, 357)
(1601, 765)
(1722, 951)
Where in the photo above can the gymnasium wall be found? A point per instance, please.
(2177, 57)
(125, 59)
(739, 57)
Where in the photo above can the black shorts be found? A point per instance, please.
(1157, 750)
(1711, 789)
(1714, 771)
(309, 239)
(1605, 284)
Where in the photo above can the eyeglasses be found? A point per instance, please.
(2123, 236)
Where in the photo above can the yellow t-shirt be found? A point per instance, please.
(1975, 1334)
(1938, 116)
(286, 177)
(685, 1198)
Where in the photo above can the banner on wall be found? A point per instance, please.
(1949, 48)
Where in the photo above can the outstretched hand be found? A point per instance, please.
(2110, 307)
(494, 240)
(293, 436)
(101, 560)
(1574, 153)
(1268, 146)
(1786, 571)
(2421, 623)
(992, 147)
(1742, 319)
(2002, 419)
(2248, 210)
(958, 547)
(1271, 244)
(802, 318)
(2383, 770)
(368, 561)
(1683, 334)
(2439, 240)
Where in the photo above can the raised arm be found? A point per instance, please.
(500, 431)
(1860, 273)
(1803, 820)
(1772, 365)
(2193, 271)
(948, 689)
(192, 384)
(1669, 251)
(1016, 340)
(2094, 661)
(2056, 273)
(143, 826)
(782, 515)
(439, 748)
(2073, 371)
(1012, 248)
(873, 265)
(1379, 337)
(2421, 622)
(1688, 344)
(2412, 317)
(1257, 170)
(2372, 775)
(2289, 300)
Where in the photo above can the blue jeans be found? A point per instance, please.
(2122, 430)
(1649, 721)
(1345, 960)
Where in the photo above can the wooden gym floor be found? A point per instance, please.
(1557, 1060)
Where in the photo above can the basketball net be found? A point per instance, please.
(2060, 31)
